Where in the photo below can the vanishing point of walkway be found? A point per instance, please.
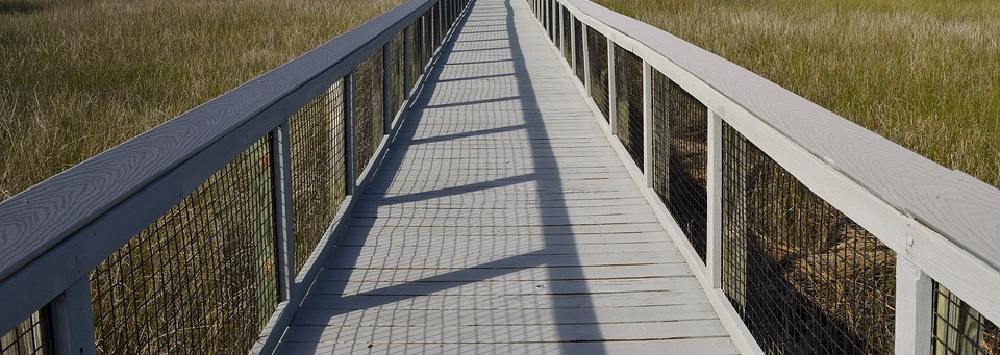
(502, 221)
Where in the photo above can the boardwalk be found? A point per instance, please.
(503, 221)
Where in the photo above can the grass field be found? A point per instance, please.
(921, 73)
(79, 77)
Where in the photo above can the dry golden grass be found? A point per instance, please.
(79, 77)
(921, 73)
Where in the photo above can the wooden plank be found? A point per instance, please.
(386, 316)
(706, 346)
(539, 273)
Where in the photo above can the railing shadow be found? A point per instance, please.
(551, 209)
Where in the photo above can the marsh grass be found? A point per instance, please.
(921, 73)
(79, 77)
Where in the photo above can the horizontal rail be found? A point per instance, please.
(58, 231)
(914, 199)
(942, 223)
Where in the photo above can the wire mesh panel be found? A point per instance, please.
(413, 44)
(396, 85)
(803, 277)
(552, 21)
(318, 177)
(680, 132)
(426, 39)
(597, 50)
(567, 32)
(200, 279)
(367, 111)
(30, 337)
(628, 89)
(959, 329)
(578, 48)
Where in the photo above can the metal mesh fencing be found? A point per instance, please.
(959, 329)
(552, 21)
(200, 279)
(578, 48)
(597, 50)
(318, 176)
(427, 47)
(367, 111)
(30, 337)
(413, 44)
(396, 84)
(680, 132)
(803, 277)
(628, 89)
(567, 33)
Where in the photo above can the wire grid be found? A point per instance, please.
(318, 177)
(597, 49)
(396, 84)
(680, 133)
(202, 277)
(567, 33)
(412, 43)
(628, 90)
(803, 277)
(578, 44)
(30, 337)
(959, 329)
(367, 111)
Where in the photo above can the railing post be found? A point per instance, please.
(647, 123)
(349, 92)
(586, 60)
(407, 53)
(572, 45)
(713, 190)
(612, 90)
(914, 320)
(387, 96)
(560, 34)
(72, 320)
(281, 178)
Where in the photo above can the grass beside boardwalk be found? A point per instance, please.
(925, 74)
(79, 77)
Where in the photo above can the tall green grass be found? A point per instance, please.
(79, 77)
(921, 73)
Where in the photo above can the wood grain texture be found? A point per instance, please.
(502, 221)
(963, 209)
(39, 218)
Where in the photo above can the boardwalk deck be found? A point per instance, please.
(502, 221)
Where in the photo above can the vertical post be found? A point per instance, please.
(713, 189)
(647, 123)
(423, 41)
(560, 34)
(387, 96)
(350, 88)
(281, 178)
(73, 320)
(572, 45)
(612, 90)
(586, 60)
(914, 296)
(407, 57)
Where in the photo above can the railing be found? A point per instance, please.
(201, 235)
(809, 233)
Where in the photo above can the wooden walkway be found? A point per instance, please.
(502, 221)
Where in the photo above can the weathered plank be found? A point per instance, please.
(502, 221)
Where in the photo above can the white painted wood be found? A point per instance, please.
(350, 90)
(713, 189)
(387, 95)
(612, 88)
(586, 62)
(914, 301)
(479, 228)
(572, 45)
(647, 123)
(72, 320)
(888, 190)
(281, 178)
